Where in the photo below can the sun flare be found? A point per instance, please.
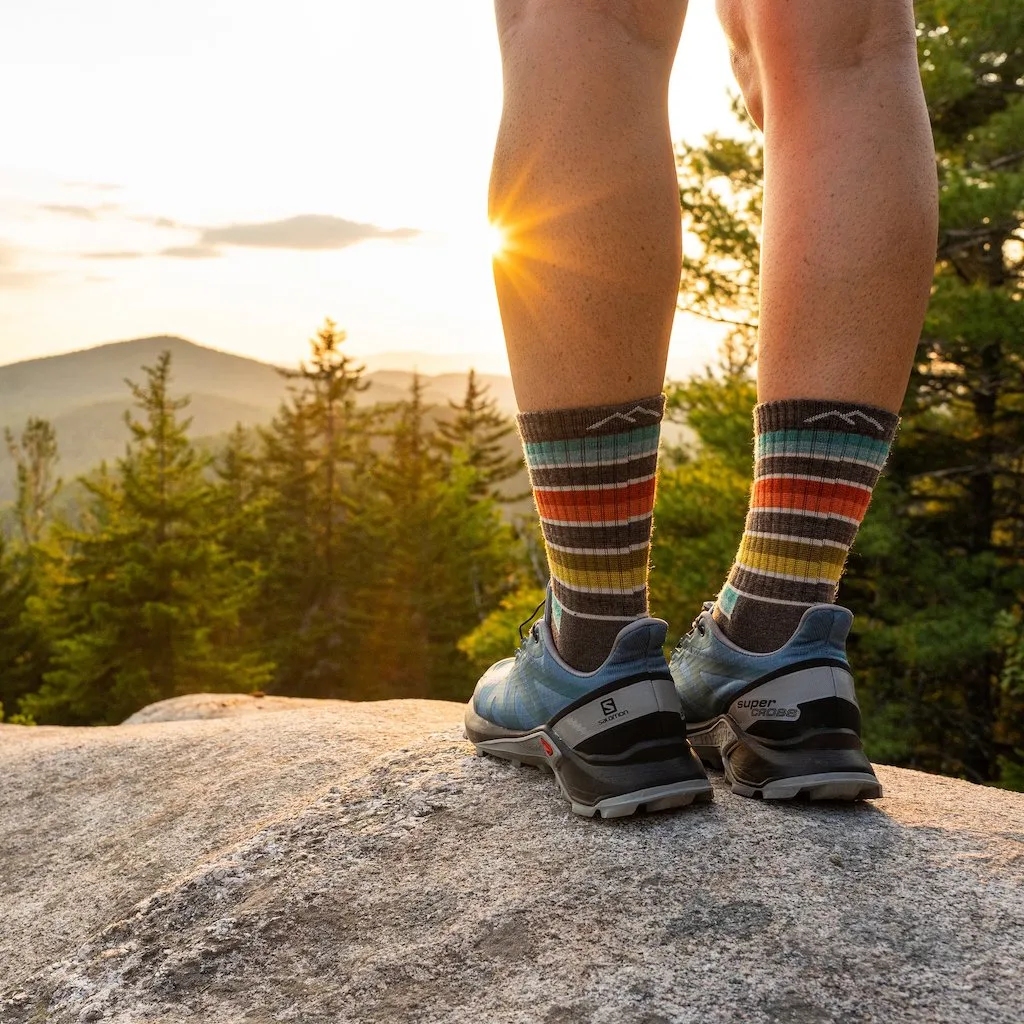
(496, 240)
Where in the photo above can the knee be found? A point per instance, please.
(780, 45)
(656, 24)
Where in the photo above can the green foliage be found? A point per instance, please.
(702, 493)
(476, 433)
(298, 496)
(720, 193)
(23, 649)
(15, 719)
(498, 635)
(144, 601)
(952, 564)
(378, 541)
(35, 457)
(444, 557)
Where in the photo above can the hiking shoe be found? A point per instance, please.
(780, 724)
(614, 738)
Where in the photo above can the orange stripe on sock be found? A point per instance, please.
(597, 505)
(812, 496)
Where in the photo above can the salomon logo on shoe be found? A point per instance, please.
(611, 711)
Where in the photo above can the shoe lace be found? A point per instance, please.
(533, 615)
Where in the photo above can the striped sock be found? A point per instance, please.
(593, 477)
(815, 466)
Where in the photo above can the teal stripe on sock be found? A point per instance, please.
(631, 443)
(556, 611)
(727, 599)
(816, 442)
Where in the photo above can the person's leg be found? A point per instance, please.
(584, 190)
(850, 223)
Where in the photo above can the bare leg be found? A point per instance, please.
(850, 211)
(850, 222)
(584, 186)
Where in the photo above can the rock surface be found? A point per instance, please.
(335, 862)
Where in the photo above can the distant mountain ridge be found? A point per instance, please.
(83, 393)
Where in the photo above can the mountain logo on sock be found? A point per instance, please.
(849, 418)
(629, 417)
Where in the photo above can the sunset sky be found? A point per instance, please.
(233, 172)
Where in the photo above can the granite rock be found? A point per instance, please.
(337, 862)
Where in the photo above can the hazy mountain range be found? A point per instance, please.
(85, 396)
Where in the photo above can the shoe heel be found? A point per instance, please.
(796, 735)
(625, 748)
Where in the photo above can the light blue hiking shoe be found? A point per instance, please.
(780, 724)
(614, 738)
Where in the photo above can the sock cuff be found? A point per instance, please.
(825, 415)
(590, 421)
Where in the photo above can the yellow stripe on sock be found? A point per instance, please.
(589, 579)
(827, 565)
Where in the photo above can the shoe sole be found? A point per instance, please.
(823, 765)
(612, 769)
(654, 798)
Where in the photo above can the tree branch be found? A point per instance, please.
(716, 319)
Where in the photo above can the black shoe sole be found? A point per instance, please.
(821, 764)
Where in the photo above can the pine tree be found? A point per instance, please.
(148, 603)
(312, 456)
(330, 382)
(23, 650)
(35, 457)
(478, 429)
(950, 564)
(241, 497)
(444, 558)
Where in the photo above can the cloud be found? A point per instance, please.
(81, 212)
(117, 255)
(94, 212)
(306, 232)
(156, 222)
(15, 280)
(309, 231)
(12, 279)
(192, 252)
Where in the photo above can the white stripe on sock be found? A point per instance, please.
(620, 591)
(823, 458)
(582, 488)
(768, 600)
(600, 551)
(816, 479)
(600, 523)
(799, 540)
(601, 618)
(806, 512)
(786, 575)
